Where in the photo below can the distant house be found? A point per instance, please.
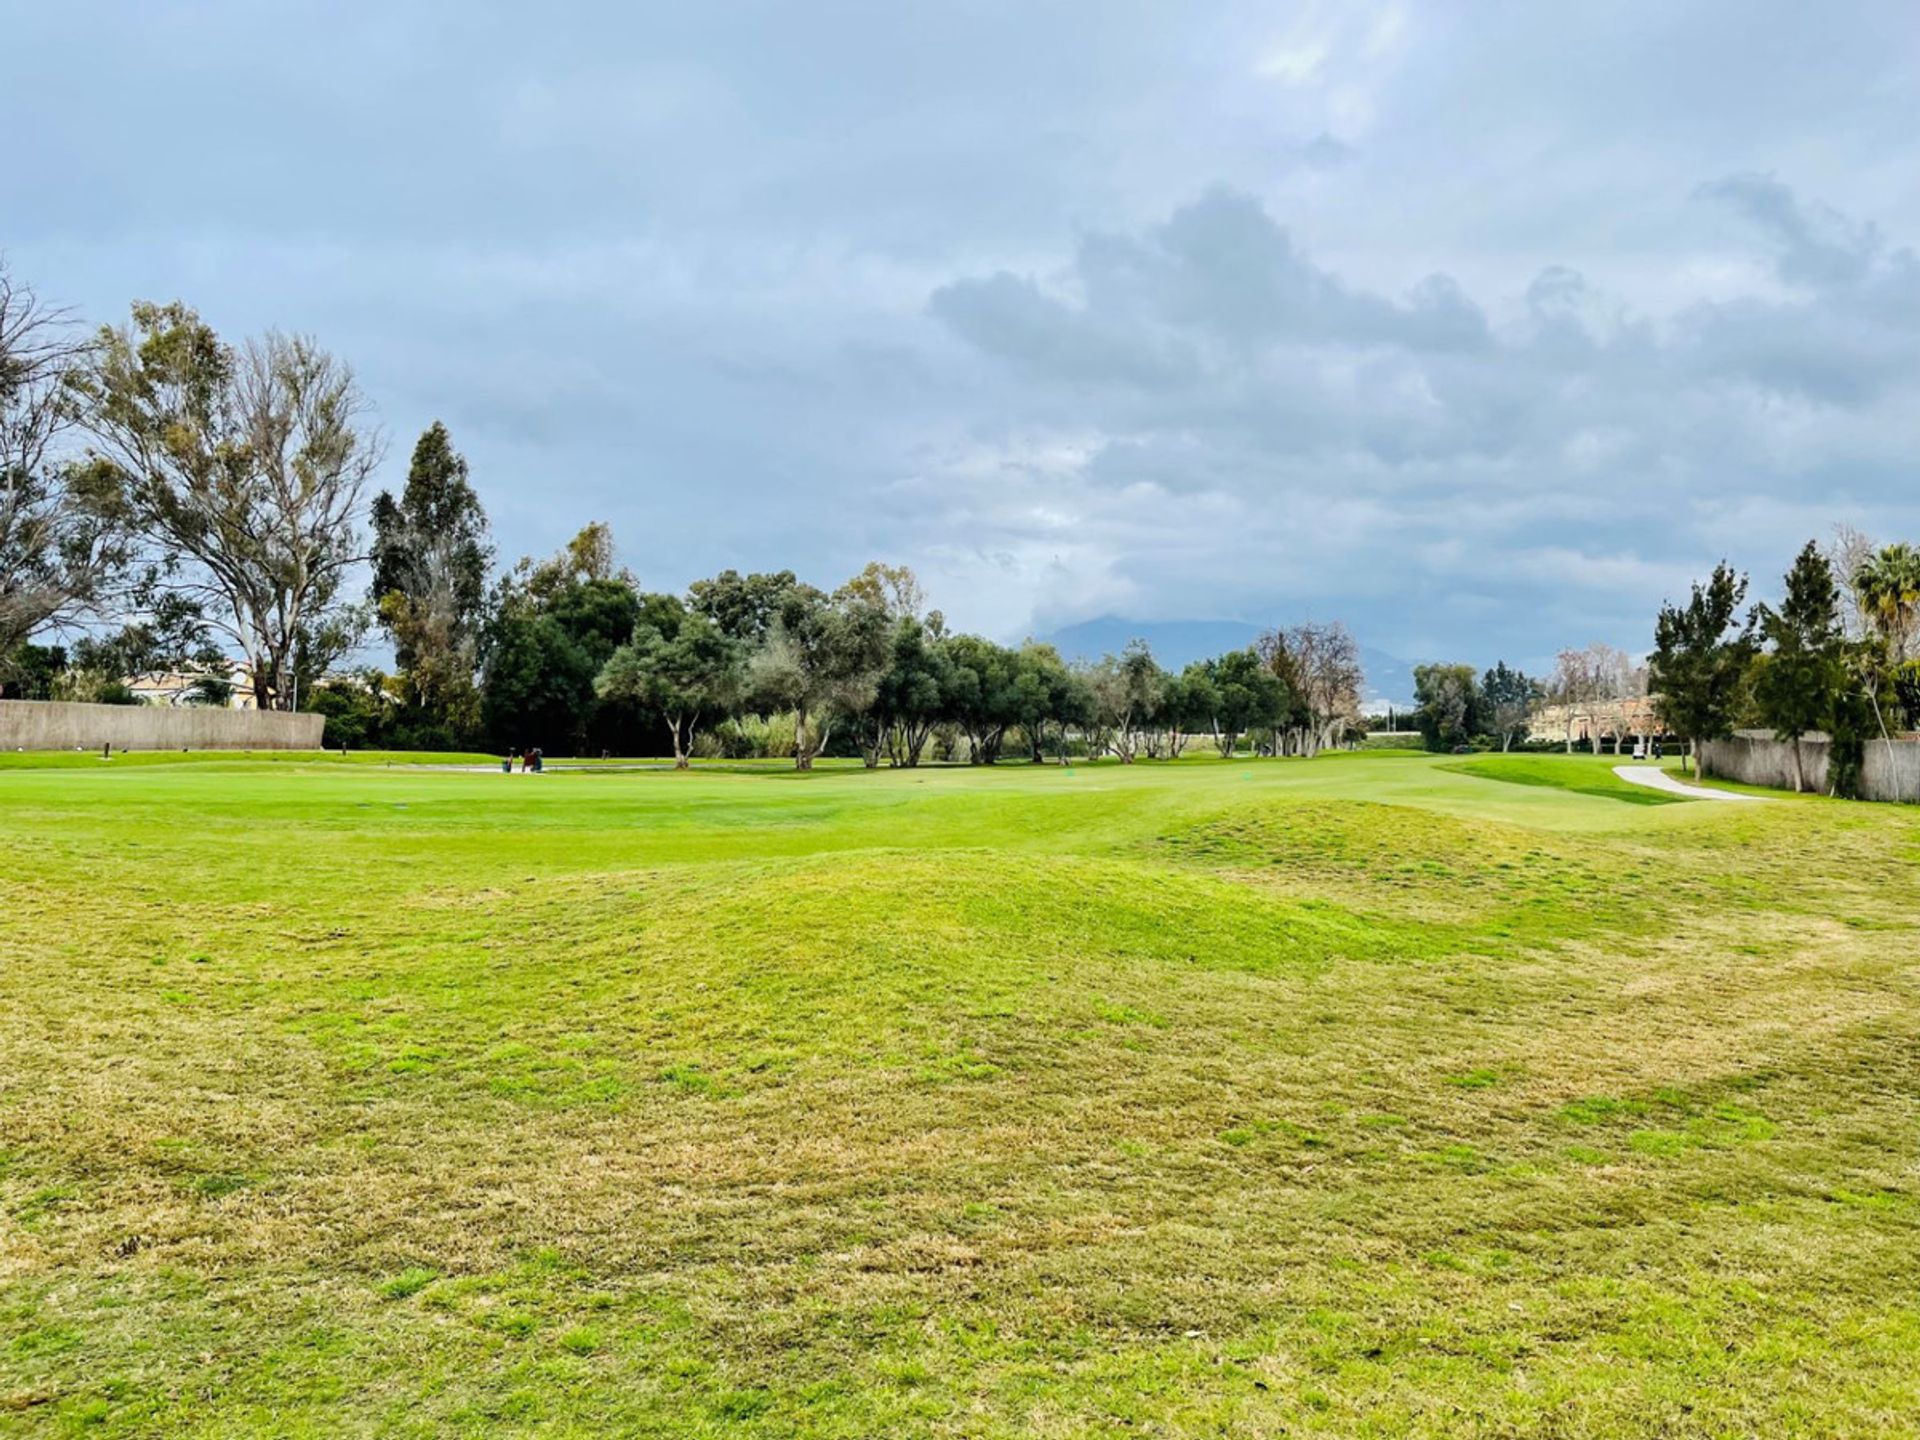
(1628, 717)
(197, 688)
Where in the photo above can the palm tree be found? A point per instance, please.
(1889, 586)
(1888, 583)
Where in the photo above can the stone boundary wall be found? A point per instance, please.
(1754, 757)
(68, 725)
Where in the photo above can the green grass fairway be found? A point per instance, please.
(1365, 1096)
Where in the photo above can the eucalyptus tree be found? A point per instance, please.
(894, 588)
(241, 470)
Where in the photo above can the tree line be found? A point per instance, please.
(170, 499)
(767, 664)
(1840, 654)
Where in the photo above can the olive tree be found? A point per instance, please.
(688, 670)
(1509, 696)
(822, 660)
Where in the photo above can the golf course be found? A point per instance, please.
(1366, 1095)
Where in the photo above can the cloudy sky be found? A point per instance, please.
(1483, 326)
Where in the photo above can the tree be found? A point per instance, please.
(1320, 667)
(1848, 550)
(894, 588)
(32, 671)
(242, 470)
(688, 673)
(554, 626)
(1197, 699)
(1185, 708)
(1614, 682)
(1050, 699)
(1700, 654)
(1888, 584)
(1508, 697)
(1582, 679)
(356, 711)
(1906, 691)
(1887, 587)
(745, 606)
(59, 548)
(430, 559)
(599, 614)
(538, 687)
(909, 696)
(1126, 692)
(1247, 694)
(822, 659)
(172, 636)
(983, 693)
(1797, 680)
(589, 555)
(1448, 697)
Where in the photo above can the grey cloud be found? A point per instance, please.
(1399, 312)
(1545, 439)
(1818, 246)
(1007, 315)
(1324, 152)
(1854, 339)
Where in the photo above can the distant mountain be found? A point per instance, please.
(1177, 642)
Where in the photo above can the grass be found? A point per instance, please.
(1360, 1096)
(1582, 774)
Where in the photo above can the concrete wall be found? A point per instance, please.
(64, 725)
(1754, 757)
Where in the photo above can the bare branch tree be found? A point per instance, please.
(58, 552)
(1848, 552)
(1320, 665)
(1601, 685)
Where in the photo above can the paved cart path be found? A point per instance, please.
(1655, 778)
